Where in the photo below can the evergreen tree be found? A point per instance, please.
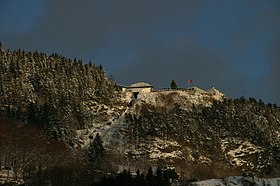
(150, 177)
(173, 85)
(139, 179)
(1, 47)
(96, 149)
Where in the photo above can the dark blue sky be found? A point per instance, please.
(233, 45)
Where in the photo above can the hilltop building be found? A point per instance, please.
(137, 88)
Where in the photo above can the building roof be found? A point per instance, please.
(140, 84)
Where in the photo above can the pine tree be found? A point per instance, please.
(1, 47)
(139, 179)
(173, 85)
(150, 176)
(96, 149)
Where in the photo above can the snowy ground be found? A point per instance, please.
(7, 176)
(163, 149)
(111, 130)
(185, 98)
(236, 149)
(113, 137)
(239, 181)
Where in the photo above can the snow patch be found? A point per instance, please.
(238, 181)
(165, 149)
(184, 98)
(237, 149)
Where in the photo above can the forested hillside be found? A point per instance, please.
(58, 94)
(231, 135)
(63, 122)
(44, 99)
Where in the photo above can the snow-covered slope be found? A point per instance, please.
(166, 99)
(238, 181)
(190, 126)
(111, 118)
(184, 98)
(113, 130)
